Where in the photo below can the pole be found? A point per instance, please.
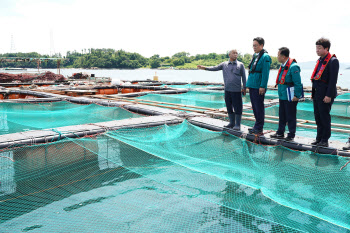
(58, 66)
(38, 62)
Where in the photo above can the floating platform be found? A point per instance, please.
(200, 117)
(34, 137)
(300, 143)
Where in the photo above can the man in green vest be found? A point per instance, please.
(259, 70)
(289, 92)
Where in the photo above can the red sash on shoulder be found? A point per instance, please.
(320, 72)
(286, 68)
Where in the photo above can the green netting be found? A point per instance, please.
(340, 112)
(18, 117)
(200, 98)
(340, 109)
(190, 86)
(275, 93)
(305, 112)
(312, 184)
(345, 96)
(208, 99)
(171, 179)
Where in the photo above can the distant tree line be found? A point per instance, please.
(120, 59)
(21, 64)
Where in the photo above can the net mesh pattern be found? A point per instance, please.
(19, 117)
(178, 178)
(208, 99)
(191, 86)
(340, 114)
(345, 96)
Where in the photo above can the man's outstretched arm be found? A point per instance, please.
(212, 68)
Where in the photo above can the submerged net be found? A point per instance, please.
(340, 114)
(345, 96)
(191, 86)
(193, 98)
(208, 99)
(275, 93)
(19, 117)
(339, 109)
(171, 178)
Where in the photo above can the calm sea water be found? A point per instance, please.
(186, 75)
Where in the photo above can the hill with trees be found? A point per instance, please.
(120, 59)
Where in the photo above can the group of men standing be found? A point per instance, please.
(290, 89)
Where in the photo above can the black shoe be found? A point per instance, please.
(347, 147)
(315, 142)
(237, 128)
(323, 144)
(277, 136)
(255, 131)
(289, 138)
(231, 116)
(250, 130)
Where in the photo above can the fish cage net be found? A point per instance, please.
(191, 86)
(339, 109)
(178, 178)
(19, 117)
(207, 99)
(345, 96)
(340, 114)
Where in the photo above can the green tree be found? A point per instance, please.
(181, 55)
(274, 63)
(154, 63)
(178, 61)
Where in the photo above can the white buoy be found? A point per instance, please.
(115, 82)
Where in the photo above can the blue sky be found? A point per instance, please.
(166, 27)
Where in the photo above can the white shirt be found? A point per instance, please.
(284, 64)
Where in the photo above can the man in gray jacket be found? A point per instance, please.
(234, 75)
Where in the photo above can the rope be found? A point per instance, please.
(7, 158)
(59, 134)
(244, 136)
(344, 165)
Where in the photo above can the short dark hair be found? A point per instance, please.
(284, 51)
(324, 42)
(260, 40)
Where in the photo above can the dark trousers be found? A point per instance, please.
(323, 119)
(234, 101)
(258, 108)
(287, 114)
